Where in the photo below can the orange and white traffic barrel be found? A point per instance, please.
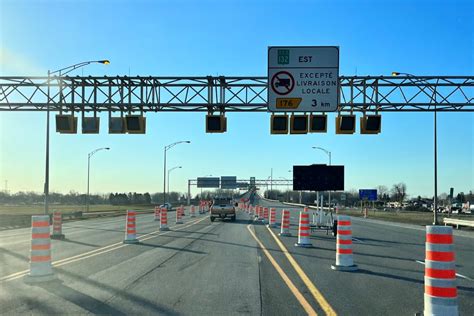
(272, 222)
(179, 219)
(40, 255)
(285, 223)
(260, 213)
(440, 274)
(164, 219)
(344, 257)
(57, 226)
(193, 211)
(157, 213)
(303, 231)
(131, 228)
(265, 215)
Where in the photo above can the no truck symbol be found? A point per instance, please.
(282, 83)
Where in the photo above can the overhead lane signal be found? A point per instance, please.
(135, 124)
(318, 123)
(345, 124)
(90, 125)
(370, 124)
(116, 125)
(279, 124)
(216, 123)
(66, 124)
(299, 124)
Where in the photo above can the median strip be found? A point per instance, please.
(304, 303)
(312, 288)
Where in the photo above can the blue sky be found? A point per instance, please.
(183, 38)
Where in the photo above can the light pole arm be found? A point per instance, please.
(75, 66)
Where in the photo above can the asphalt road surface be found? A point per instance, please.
(224, 268)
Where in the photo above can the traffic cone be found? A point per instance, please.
(303, 231)
(260, 213)
(131, 229)
(57, 226)
(285, 223)
(265, 215)
(272, 217)
(193, 211)
(157, 213)
(440, 275)
(344, 259)
(164, 219)
(40, 255)
(179, 219)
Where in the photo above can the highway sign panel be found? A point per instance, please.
(303, 79)
(368, 194)
(228, 182)
(208, 182)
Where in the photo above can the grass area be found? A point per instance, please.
(410, 217)
(38, 209)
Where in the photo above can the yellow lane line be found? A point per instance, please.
(304, 303)
(96, 252)
(312, 288)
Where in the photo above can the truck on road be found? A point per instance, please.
(222, 208)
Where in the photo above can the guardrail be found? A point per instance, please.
(458, 222)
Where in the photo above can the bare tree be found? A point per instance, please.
(399, 192)
(381, 191)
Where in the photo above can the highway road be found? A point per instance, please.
(224, 268)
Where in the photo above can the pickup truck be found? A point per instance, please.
(222, 208)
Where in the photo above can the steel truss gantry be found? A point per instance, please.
(226, 94)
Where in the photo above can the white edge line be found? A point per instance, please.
(457, 274)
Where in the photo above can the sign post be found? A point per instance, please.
(303, 79)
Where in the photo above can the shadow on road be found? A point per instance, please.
(133, 300)
(402, 278)
(80, 243)
(78, 298)
(172, 248)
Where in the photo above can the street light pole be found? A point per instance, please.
(435, 197)
(60, 72)
(169, 171)
(166, 148)
(89, 155)
(329, 155)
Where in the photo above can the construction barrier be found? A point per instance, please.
(285, 223)
(440, 274)
(260, 213)
(157, 213)
(40, 255)
(193, 211)
(265, 215)
(179, 219)
(272, 222)
(344, 257)
(164, 219)
(57, 226)
(131, 228)
(303, 231)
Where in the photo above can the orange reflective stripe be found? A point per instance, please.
(344, 223)
(441, 274)
(40, 224)
(40, 258)
(440, 256)
(344, 232)
(45, 235)
(304, 234)
(449, 292)
(439, 239)
(344, 242)
(41, 247)
(131, 231)
(344, 251)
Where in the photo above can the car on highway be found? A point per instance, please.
(167, 206)
(222, 208)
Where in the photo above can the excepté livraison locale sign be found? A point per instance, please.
(303, 79)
